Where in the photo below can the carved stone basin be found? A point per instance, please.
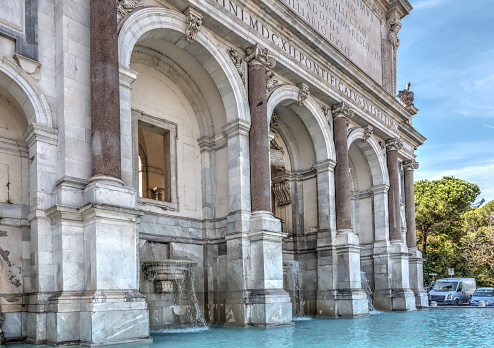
(164, 272)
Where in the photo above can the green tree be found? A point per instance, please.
(439, 205)
(477, 246)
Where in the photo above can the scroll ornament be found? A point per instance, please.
(194, 22)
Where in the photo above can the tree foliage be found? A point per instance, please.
(441, 210)
(439, 205)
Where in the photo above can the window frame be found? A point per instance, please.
(167, 129)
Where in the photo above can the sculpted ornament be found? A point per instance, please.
(237, 61)
(273, 123)
(394, 26)
(303, 93)
(406, 96)
(410, 164)
(282, 193)
(394, 144)
(368, 131)
(327, 114)
(259, 55)
(194, 22)
(124, 7)
(271, 82)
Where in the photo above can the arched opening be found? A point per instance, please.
(183, 97)
(300, 140)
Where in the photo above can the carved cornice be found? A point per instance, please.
(341, 109)
(194, 22)
(394, 144)
(303, 93)
(237, 61)
(258, 55)
(125, 7)
(410, 165)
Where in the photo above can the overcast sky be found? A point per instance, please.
(447, 53)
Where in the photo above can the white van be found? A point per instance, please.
(453, 291)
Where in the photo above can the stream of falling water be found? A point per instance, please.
(366, 287)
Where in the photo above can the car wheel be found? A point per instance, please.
(457, 302)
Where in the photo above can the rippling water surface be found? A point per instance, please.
(468, 327)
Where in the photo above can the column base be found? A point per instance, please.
(416, 270)
(269, 308)
(351, 303)
(113, 317)
(326, 304)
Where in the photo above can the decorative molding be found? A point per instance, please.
(282, 192)
(194, 22)
(258, 55)
(303, 93)
(394, 144)
(237, 61)
(37, 132)
(271, 82)
(410, 165)
(341, 109)
(368, 131)
(30, 66)
(125, 7)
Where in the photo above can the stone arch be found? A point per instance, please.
(372, 151)
(313, 118)
(146, 24)
(22, 87)
(155, 60)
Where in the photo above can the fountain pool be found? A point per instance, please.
(465, 327)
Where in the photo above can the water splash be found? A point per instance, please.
(370, 295)
(292, 283)
(188, 312)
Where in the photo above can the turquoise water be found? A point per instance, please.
(467, 327)
(462, 327)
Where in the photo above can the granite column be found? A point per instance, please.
(350, 299)
(401, 297)
(392, 147)
(266, 302)
(105, 97)
(416, 268)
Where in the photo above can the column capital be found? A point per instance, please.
(410, 165)
(341, 109)
(394, 144)
(258, 55)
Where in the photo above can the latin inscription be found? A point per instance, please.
(12, 14)
(307, 62)
(350, 25)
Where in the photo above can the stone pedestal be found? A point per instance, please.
(416, 271)
(267, 302)
(402, 298)
(112, 309)
(351, 300)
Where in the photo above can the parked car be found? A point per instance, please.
(453, 291)
(483, 294)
